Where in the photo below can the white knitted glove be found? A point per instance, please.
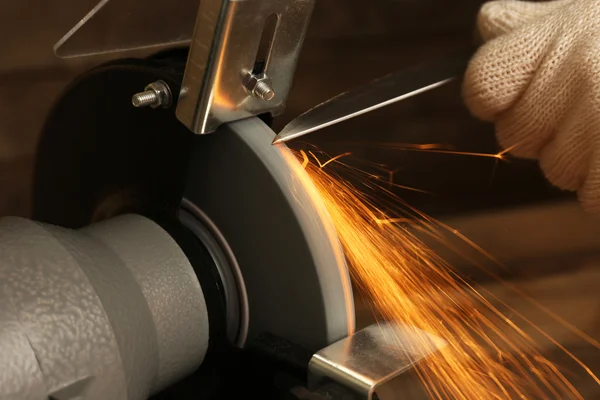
(538, 79)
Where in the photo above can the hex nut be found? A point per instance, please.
(259, 86)
(163, 93)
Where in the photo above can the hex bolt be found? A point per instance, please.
(157, 94)
(259, 86)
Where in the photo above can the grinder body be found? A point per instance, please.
(113, 310)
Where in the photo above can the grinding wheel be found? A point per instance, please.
(99, 157)
(265, 206)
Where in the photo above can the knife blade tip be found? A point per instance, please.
(278, 140)
(284, 136)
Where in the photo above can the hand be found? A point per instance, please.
(538, 79)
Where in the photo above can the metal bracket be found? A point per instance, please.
(240, 65)
(370, 362)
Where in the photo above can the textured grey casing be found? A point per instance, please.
(112, 311)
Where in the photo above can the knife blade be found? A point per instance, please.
(379, 93)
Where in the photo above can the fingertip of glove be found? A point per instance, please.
(590, 204)
(496, 18)
(589, 194)
(479, 96)
(501, 71)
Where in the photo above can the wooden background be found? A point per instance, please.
(350, 42)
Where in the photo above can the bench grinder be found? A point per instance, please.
(173, 251)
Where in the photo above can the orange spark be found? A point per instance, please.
(440, 149)
(499, 155)
(414, 146)
(488, 355)
(334, 159)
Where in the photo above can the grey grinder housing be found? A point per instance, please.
(111, 311)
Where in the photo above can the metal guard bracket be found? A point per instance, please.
(371, 362)
(222, 58)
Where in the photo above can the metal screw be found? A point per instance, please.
(156, 94)
(144, 99)
(260, 87)
(263, 91)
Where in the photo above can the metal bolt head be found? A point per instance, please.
(157, 94)
(259, 86)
